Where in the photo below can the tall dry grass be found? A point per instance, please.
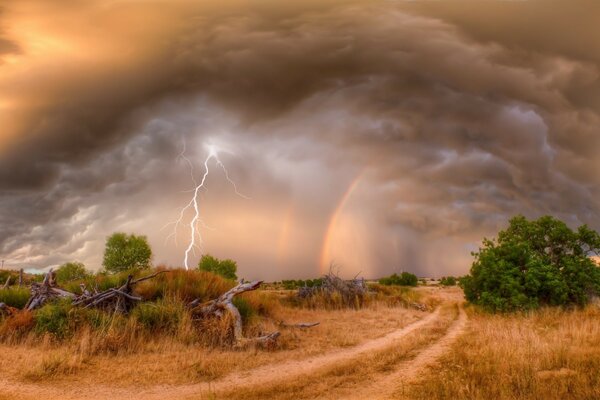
(550, 354)
(163, 316)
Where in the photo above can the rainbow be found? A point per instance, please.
(325, 256)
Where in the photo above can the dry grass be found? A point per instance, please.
(548, 354)
(90, 358)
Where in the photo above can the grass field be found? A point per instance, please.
(384, 350)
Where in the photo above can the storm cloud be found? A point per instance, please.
(382, 136)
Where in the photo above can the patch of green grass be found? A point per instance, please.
(54, 318)
(14, 296)
(163, 315)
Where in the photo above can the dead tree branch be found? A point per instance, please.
(46, 291)
(224, 303)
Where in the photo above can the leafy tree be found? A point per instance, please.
(71, 271)
(125, 252)
(448, 281)
(404, 279)
(533, 263)
(226, 268)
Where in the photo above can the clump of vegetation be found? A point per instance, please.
(184, 285)
(404, 279)
(54, 318)
(448, 281)
(164, 313)
(334, 293)
(125, 252)
(534, 263)
(226, 268)
(14, 296)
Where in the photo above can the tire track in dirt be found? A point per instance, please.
(258, 376)
(409, 371)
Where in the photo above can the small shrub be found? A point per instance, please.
(16, 325)
(54, 318)
(161, 316)
(14, 296)
(244, 308)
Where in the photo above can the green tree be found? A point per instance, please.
(71, 271)
(533, 263)
(226, 268)
(125, 252)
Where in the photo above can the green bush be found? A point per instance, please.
(534, 263)
(54, 318)
(226, 268)
(14, 296)
(404, 279)
(448, 281)
(244, 308)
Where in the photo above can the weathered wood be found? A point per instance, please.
(215, 308)
(46, 291)
(120, 299)
(7, 283)
(21, 277)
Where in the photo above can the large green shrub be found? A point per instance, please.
(533, 263)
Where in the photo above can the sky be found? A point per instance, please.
(380, 136)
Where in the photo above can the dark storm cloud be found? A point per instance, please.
(464, 123)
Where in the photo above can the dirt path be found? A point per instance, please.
(258, 376)
(409, 371)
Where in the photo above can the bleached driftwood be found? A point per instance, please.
(224, 303)
(46, 291)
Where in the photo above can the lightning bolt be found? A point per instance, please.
(193, 204)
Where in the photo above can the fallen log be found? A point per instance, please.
(120, 300)
(224, 303)
(43, 292)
